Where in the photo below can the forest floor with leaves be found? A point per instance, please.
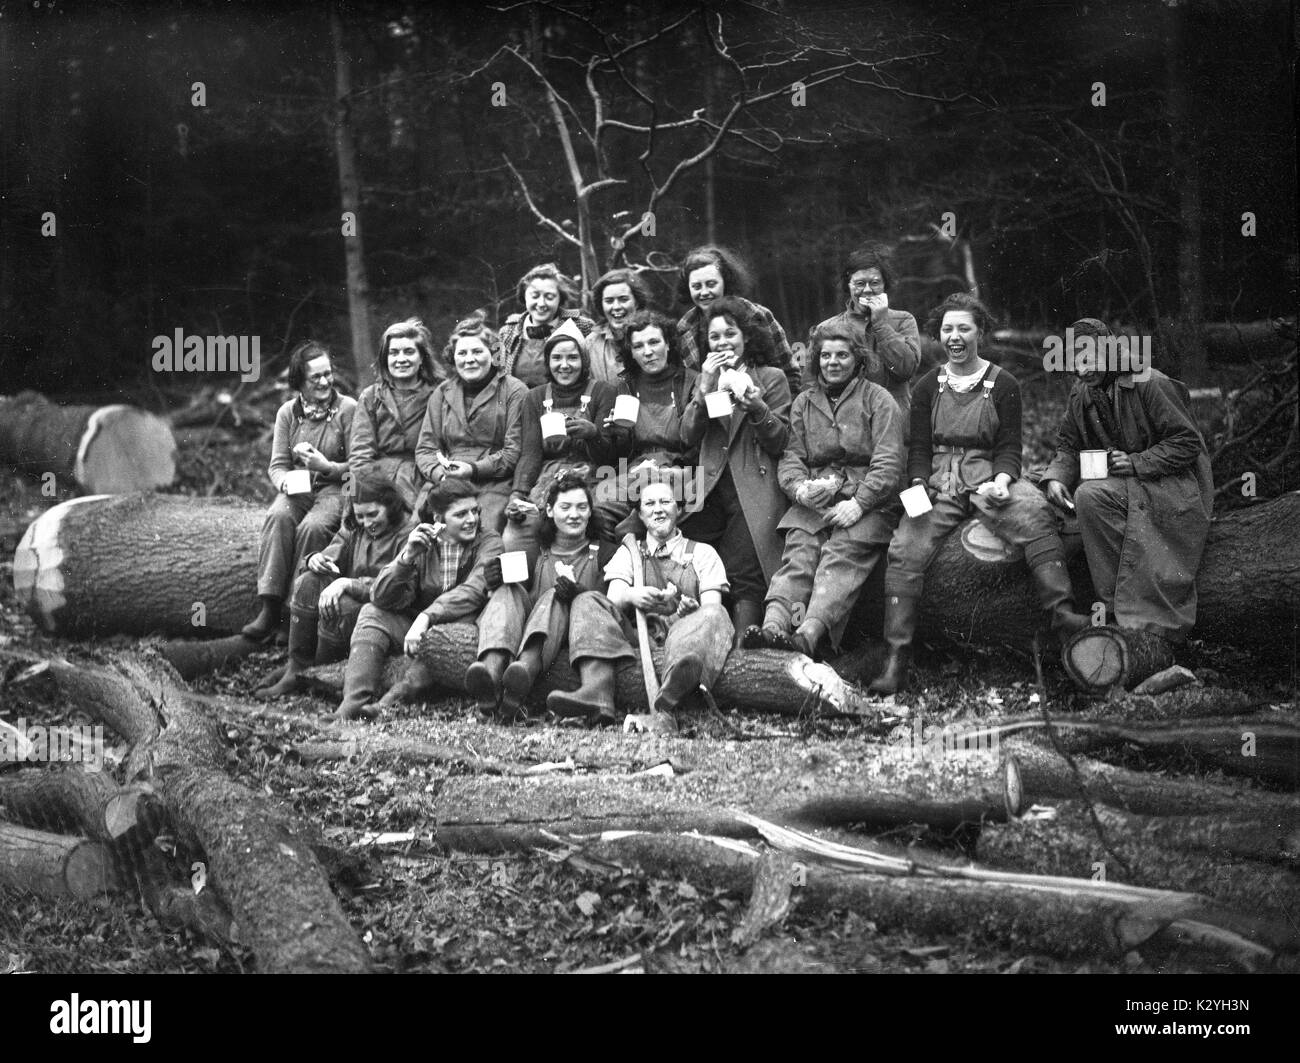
(419, 908)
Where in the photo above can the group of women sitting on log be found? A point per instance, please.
(565, 480)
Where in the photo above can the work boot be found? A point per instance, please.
(745, 613)
(594, 699)
(680, 681)
(266, 622)
(329, 648)
(362, 675)
(809, 636)
(416, 681)
(483, 680)
(518, 680)
(900, 625)
(775, 632)
(1056, 595)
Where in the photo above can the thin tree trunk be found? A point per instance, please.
(1190, 349)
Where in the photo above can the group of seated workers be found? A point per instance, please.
(738, 499)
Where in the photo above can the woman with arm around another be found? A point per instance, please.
(309, 458)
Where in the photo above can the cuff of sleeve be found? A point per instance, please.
(1142, 467)
(359, 588)
(482, 469)
(434, 613)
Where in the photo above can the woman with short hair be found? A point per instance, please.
(473, 428)
(311, 436)
(546, 297)
(616, 296)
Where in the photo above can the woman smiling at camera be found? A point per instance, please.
(473, 428)
(548, 298)
(309, 457)
(739, 417)
(965, 454)
(617, 295)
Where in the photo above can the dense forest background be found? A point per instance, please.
(473, 140)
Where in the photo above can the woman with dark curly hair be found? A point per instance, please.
(524, 626)
(309, 458)
(328, 597)
(889, 336)
(740, 418)
(653, 374)
(547, 297)
(617, 295)
(391, 410)
(473, 424)
(712, 272)
(840, 470)
(965, 452)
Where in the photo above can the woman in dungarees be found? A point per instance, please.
(585, 404)
(524, 626)
(965, 450)
(654, 375)
(678, 585)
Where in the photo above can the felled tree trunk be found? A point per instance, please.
(55, 865)
(102, 449)
(138, 564)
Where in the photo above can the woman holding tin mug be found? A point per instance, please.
(740, 418)
(965, 454)
(563, 423)
(656, 386)
(309, 458)
(524, 625)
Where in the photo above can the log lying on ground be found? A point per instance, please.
(197, 657)
(259, 857)
(134, 566)
(1138, 852)
(138, 564)
(102, 449)
(1101, 657)
(1045, 774)
(58, 801)
(55, 865)
(787, 684)
(1070, 922)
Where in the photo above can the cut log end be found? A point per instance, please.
(124, 449)
(1099, 658)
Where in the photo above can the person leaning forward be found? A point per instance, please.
(1144, 523)
(680, 594)
(435, 579)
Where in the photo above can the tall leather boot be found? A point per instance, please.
(302, 653)
(361, 678)
(483, 680)
(594, 699)
(680, 681)
(901, 613)
(1046, 559)
(266, 621)
(745, 613)
(520, 675)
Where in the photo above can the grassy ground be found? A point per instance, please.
(418, 908)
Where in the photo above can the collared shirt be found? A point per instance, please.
(449, 558)
(704, 559)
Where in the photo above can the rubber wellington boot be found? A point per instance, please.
(594, 699)
(809, 635)
(900, 625)
(745, 613)
(361, 678)
(483, 680)
(266, 621)
(416, 682)
(680, 681)
(775, 632)
(1056, 595)
(518, 680)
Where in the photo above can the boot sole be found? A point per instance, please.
(515, 686)
(481, 686)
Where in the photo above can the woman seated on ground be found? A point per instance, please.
(739, 452)
(585, 404)
(709, 273)
(841, 469)
(391, 410)
(965, 450)
(654, 375)
(890, 337)
(618, 295)
(309, 457)
(548, 297)
(328, 597)
(436, 578)
(472, 428)
(525, 625)
(678, 585)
